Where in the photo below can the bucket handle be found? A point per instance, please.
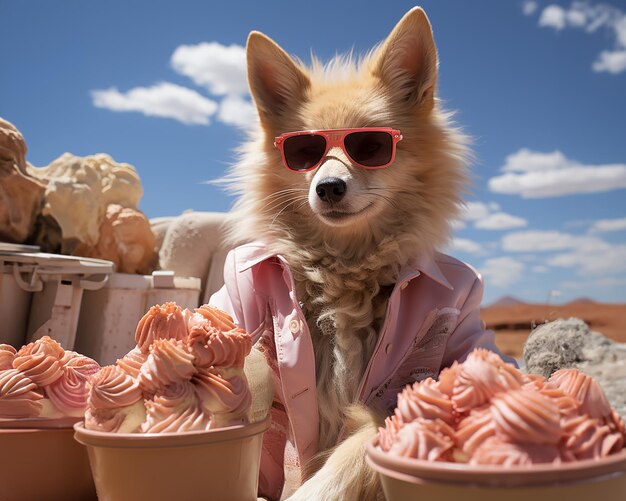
(33, 285)
(93, 285)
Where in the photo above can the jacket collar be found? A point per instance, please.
(252, 254)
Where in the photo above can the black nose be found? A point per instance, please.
(331, 189)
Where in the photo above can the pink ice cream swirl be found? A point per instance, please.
(388, 434)
(585, 390)
(41, 361)
(110, 390)
(69, 392)
(221, 395)
(526, 416)
(473, 430)
(497, 451)
(426, 439)
(212, 346)
(589, 438)
(214, 316)
(480, 377)
(7, 354)
(165, 321)
(424, 400)
(169, 362)
(131, 362)
(175, 409)
(19, 397)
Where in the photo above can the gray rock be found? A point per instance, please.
(570, 343)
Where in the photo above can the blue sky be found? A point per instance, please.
(539, 85)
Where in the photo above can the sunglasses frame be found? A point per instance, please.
(334, 138)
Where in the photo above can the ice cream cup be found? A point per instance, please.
(402, 478)
(39, 459)
(217, 464)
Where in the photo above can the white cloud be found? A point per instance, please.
(528, 7)
(472, 211)
(533, 174)
(486, 217)
(502, 271)
(606, 225)
(611, 61)
(590, 17)
(540, 269)
(604, 259)
(219, 68)
(553, 16)
(235, 110)
(165, 100)
(542, 241)
(466, 245)
(587, 254)
(500, 221)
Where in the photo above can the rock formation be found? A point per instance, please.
(20, 193)
(570, 343)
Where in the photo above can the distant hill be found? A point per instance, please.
(506, 301)
(582, 300)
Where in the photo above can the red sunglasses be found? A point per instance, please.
(368, 147)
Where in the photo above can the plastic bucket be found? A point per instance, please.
(14, 308)
(43, 463)
(221, 464)
(402, 478)
(109, 316)
(41, 294)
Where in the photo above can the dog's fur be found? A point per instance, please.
(345, 267)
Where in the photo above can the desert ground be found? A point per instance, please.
(513, 322)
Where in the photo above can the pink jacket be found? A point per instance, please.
(433, 319)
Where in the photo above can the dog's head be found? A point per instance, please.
(392, 86)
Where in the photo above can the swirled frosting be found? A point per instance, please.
(480, 377)
(112, 388)
(222, 395)
(19, 397)
(185, 374)
(424, 439)
(169, 361)
(492, 414)
(526, 416)
(7, 354)
(41, 361)
(425, 400)
(590, 438)
(216, 317)
(212, 346)
(115, 402)
(131, 362)
(475, 429)
(496, 451)
(585, 390)
(175, 409)
(388, 434)
(69, 392)
(160, 322)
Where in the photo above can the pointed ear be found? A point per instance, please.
(407, 61)
(276, 82)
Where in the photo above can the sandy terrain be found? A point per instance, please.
(512, 324)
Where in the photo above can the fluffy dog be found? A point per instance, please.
(345, 249)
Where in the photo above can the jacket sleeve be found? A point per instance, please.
(470, 332)
(238, 299)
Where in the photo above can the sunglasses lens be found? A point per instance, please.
(303, 152)
(372, 149)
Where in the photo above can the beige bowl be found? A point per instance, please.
(43, 463)
(588, 480)
(221, 464)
